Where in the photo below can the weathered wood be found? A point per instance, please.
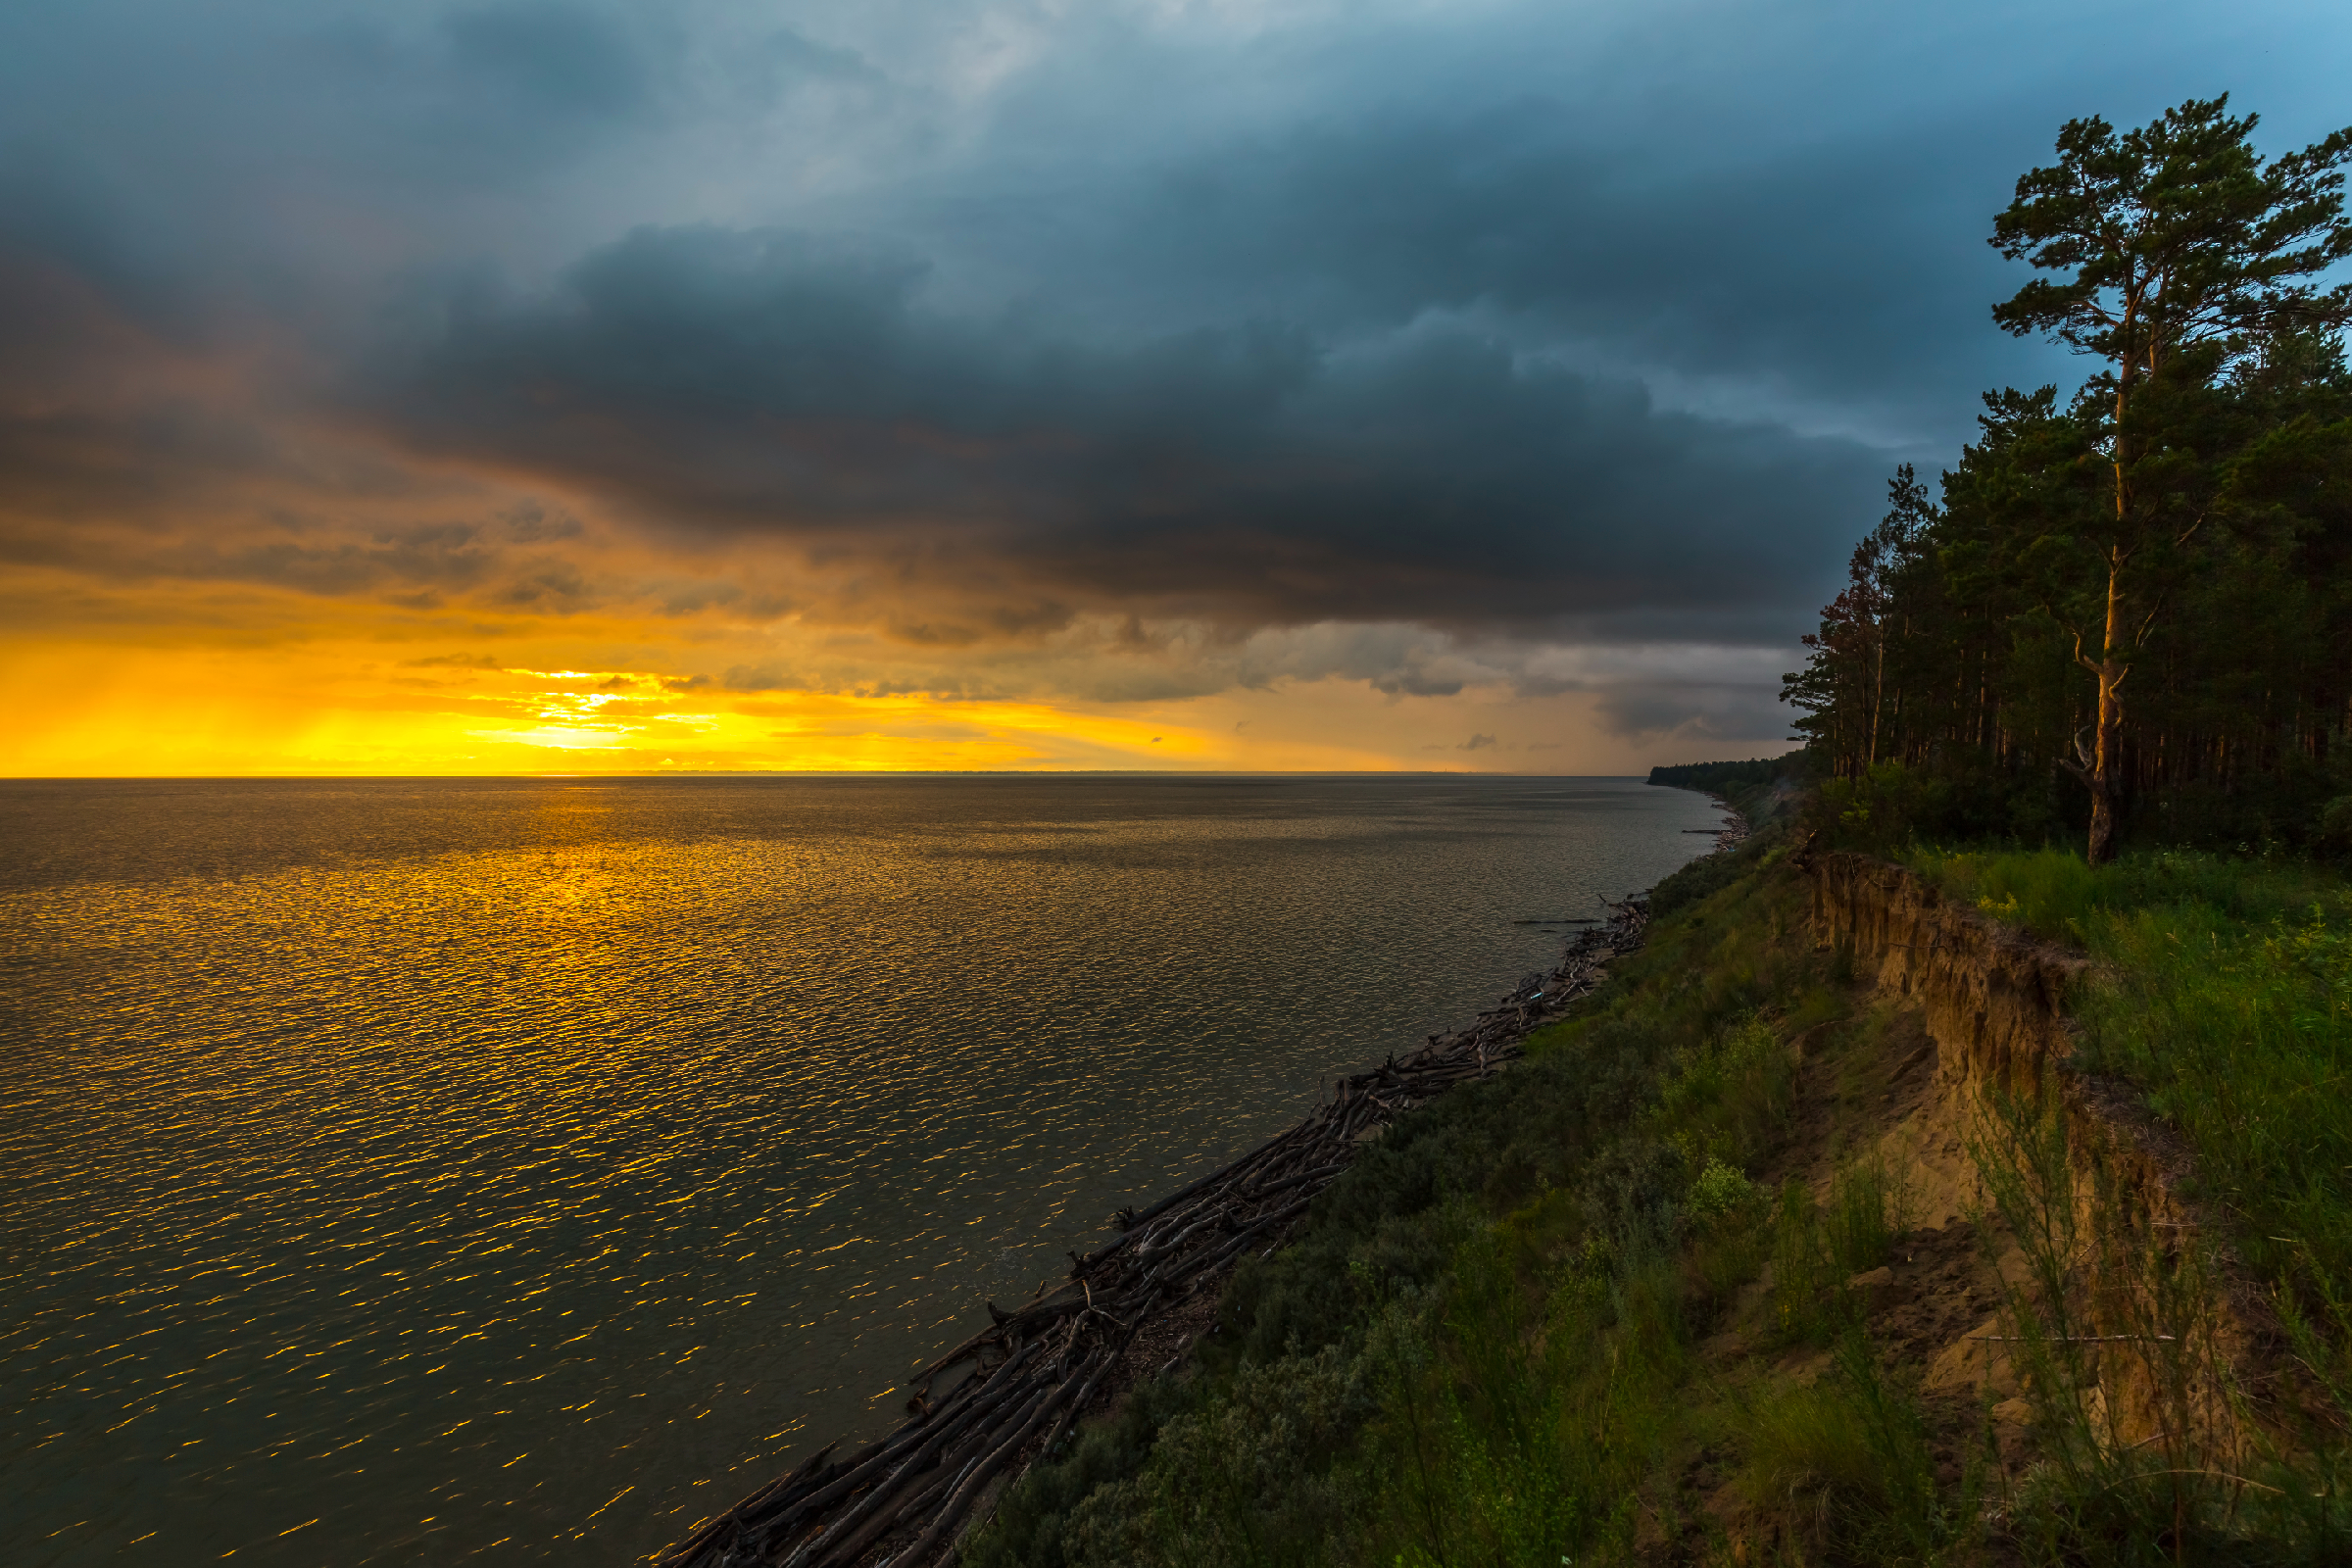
(864, 1471)
(730, 1523)
(916, 1462)
(1104, 1360)
(960, 1501)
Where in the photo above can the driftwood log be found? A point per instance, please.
(1011, 1392)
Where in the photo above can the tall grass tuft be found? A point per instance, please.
(1848, 1459)
(1818, 1246)
(2148, 1451)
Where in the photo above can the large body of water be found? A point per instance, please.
(404, 1172)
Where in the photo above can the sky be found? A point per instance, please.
(590, 385)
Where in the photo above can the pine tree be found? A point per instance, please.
(2180, 254)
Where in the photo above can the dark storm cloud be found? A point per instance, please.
(1565, 325)
(556, 56)
(1645, 710)
(1798, 264)
(793, 388)
(785, 61)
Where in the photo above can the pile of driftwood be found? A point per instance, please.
(1733, 830)
(1013, 1390)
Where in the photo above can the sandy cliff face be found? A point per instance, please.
(1994, 1007)
(1995, 1002)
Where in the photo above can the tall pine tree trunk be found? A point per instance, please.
(2107, 755)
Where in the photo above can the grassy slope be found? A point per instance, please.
(1599, 1310)
(1527, 1327)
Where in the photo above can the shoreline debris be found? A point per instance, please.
(1009, 1394)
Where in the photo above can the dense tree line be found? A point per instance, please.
(2130, 611)
(1723, 778)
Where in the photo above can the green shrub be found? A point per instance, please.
(1849, 1457)
(1876, 812)
(1695, 883)
(1816, 1248)
(1721, 1191)
(1245, 1479)
(2335, 825)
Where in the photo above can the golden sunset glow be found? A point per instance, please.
(280, 683)
(214, 711)
(652, 447)
(341, 710)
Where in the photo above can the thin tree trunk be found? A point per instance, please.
(1877, 697)
(2110, 726)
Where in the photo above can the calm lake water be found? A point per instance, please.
(407, 1172)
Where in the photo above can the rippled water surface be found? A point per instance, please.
(405, 1171)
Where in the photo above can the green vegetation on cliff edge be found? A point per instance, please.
(1481, 1346)
(1598, 1309)
(2220, 989)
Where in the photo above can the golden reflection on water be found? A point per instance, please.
(400, 1172)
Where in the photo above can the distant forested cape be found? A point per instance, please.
(1720, 778)
(2129, 612)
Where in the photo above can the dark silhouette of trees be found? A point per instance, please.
(2183, 524)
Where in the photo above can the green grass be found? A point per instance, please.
(1560, 1375)
(1816, 1247)
(1850, 1451)
(2223, 989)
(2053, 894)
(1485, 1346)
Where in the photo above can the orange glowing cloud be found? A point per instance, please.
(322, 702)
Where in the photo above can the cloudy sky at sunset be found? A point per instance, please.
(557, 385)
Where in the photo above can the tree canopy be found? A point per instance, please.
(2132, 610)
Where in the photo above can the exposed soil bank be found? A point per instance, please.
(1994, 1009)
